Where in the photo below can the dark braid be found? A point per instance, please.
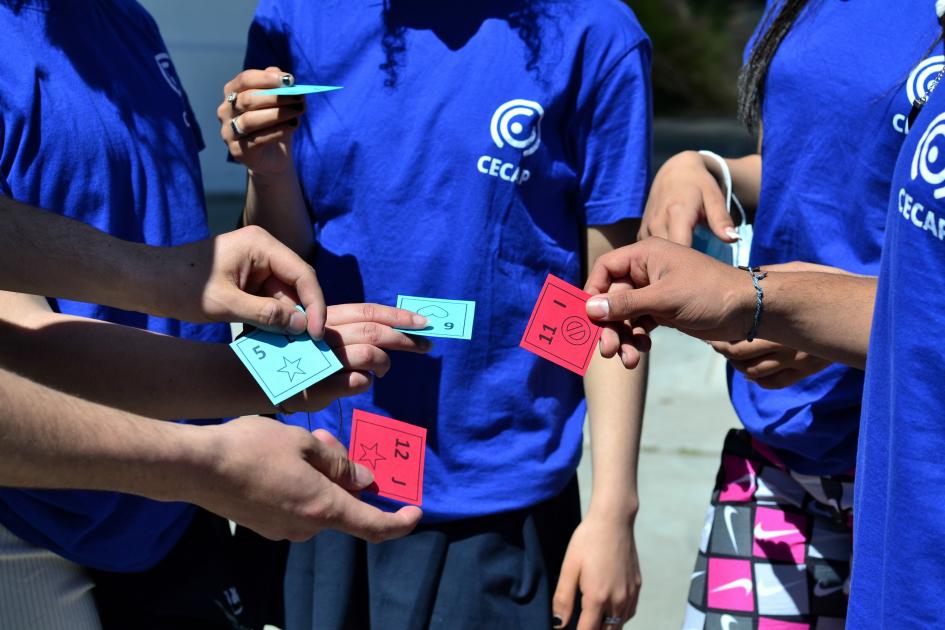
(754, 74)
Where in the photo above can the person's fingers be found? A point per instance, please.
(629, 356)
(375, 334)
(330, 441)
(562, 603)
(332, 462)
(592, 613)
(365, 521)
(253, 123)
(270, 78)
(682, 218)
(388, 315)
(781, 379)
(294, 272)
(717, 215)
(363, 357)
(612, 266)
(610, 342)
(254, 100)
(623, 305)
(268, 313)
(767, 366)
(744, 350)
(275, 288)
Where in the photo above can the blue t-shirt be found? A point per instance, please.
(899, 509)
(94, 125)
(470, 147)
(834, 117)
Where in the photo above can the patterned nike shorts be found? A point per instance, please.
(776, 546)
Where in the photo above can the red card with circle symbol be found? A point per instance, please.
(559, 329)
(393, 451)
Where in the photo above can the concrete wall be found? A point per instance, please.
(206, 39)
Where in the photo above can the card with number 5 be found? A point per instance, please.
(394, 451)
(559, 329)
(284, 365)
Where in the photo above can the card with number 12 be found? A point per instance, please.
(559, 329)
(394, 451)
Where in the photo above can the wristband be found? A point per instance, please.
(756, 277)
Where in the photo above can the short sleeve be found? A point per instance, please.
(613, 140)
(268, 41)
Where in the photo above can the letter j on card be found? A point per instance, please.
(394, 451)
(559, 329)
(452, 319)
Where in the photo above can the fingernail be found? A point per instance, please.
(425, 344)
(732, 233)
(556, 621)
(419, 320)
(362, 476)
(598, 307)
(297, 323)
(288, 80)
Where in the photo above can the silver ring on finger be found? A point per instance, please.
(611, 620)
(231, 99)
(235, 126)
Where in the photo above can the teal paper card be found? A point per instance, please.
(284, 365)
(299, 90)
(451, 319)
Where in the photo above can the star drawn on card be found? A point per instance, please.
(291, 368)
(369, 454)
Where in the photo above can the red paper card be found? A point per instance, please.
(393, 450)
(559, 329)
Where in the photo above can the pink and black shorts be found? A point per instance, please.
(776, 546)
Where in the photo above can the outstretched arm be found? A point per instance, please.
(232, 277)
(280, 481)
(826, 314)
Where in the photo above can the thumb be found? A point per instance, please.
(624, 305)
(266, 312)
(328, 457)
(717, 216)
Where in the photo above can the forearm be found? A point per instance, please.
(275, 203)
(828, 315)
(615, 402)
(131, 369)
(51, 440)
(44, 253)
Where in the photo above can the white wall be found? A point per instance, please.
(206, 39)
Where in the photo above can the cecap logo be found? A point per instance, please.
(929, 159)
(923, 77)
(512, 120)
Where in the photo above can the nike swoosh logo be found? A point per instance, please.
(727, 513)
(727, 621)
(761, 534)
(821, 591)
(744, 583)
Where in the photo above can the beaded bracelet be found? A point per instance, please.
(756, 277)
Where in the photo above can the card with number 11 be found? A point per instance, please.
(559, 329)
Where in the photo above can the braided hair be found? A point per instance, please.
(754, 74)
